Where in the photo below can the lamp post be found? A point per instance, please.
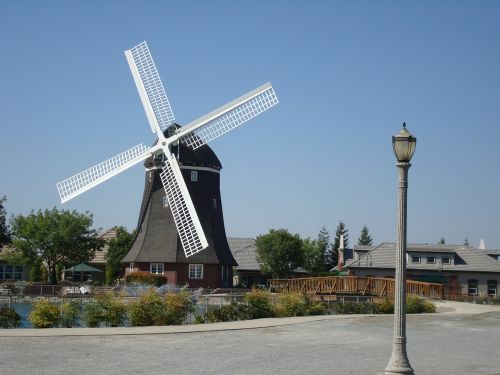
(404, 147)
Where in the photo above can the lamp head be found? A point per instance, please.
(404, 145)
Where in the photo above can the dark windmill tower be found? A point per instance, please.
(157, 247)
(177, 223)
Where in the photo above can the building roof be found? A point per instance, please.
(466, 258)
(245, 253)
(100, 255)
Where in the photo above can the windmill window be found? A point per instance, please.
(194, 176)
(196, 271)
(165, 201)
(214, 203)
(156, 268)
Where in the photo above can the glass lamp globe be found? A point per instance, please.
(404, 145)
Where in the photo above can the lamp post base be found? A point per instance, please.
(399, 363)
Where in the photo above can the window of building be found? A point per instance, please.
(165, 201)
(194, 176)
(445, 260)
(131, 267)
(492, 287)
(11, 272)
(431, 260)
(196, 271)
(156, 268)
(214, 203)
(415, 259)
(472, 287)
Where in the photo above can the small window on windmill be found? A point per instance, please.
(194, 176)
(165, 201)
(214, 203)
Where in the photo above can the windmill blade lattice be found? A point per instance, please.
(153, 95)
(186, 220)
(83, 181)
(228, 117)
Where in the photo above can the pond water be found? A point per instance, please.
(24, 310)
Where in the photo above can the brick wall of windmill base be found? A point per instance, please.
(178, 274)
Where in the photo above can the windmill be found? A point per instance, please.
(193, 135)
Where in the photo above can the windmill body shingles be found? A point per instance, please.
(157, 239)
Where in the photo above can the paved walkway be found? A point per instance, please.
(461, 340)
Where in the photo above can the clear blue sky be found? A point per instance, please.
(347, 75)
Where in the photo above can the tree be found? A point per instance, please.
(442, 241)
(315, 252)
(365, 238)
(334, 250)
(118, 247)
(5, 236)
(466, 242)
(55, 237)
(279, 252)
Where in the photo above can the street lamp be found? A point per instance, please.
(404, 146)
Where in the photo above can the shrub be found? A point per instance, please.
(259, 304)
(69, 314)
(351, 307)
(152, 309)
(317, 308)
(417, 305)
(179, 305)
(148, 310)
(385, 307)
(290, 304)
(107, 310)
(45, 314)
(146, 278)
(9, 318)
(227, 313)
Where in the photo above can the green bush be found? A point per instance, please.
(9, 318)
(179, 305)
(290, 304)
(385, 307)
(417, 305)
(152, 309)
(107, 310)
(45, 314)
(351, 307)
(317, 308)
(259, 304)
(149, 310)
(146, 278)
(70, 311)
(226, 313)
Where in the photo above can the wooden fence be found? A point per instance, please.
(353, 285)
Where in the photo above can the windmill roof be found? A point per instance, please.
(467, 258)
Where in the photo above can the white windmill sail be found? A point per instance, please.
(195, 134)
(186, 220)
(153, 95)
(228, 117)
(93, 176)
